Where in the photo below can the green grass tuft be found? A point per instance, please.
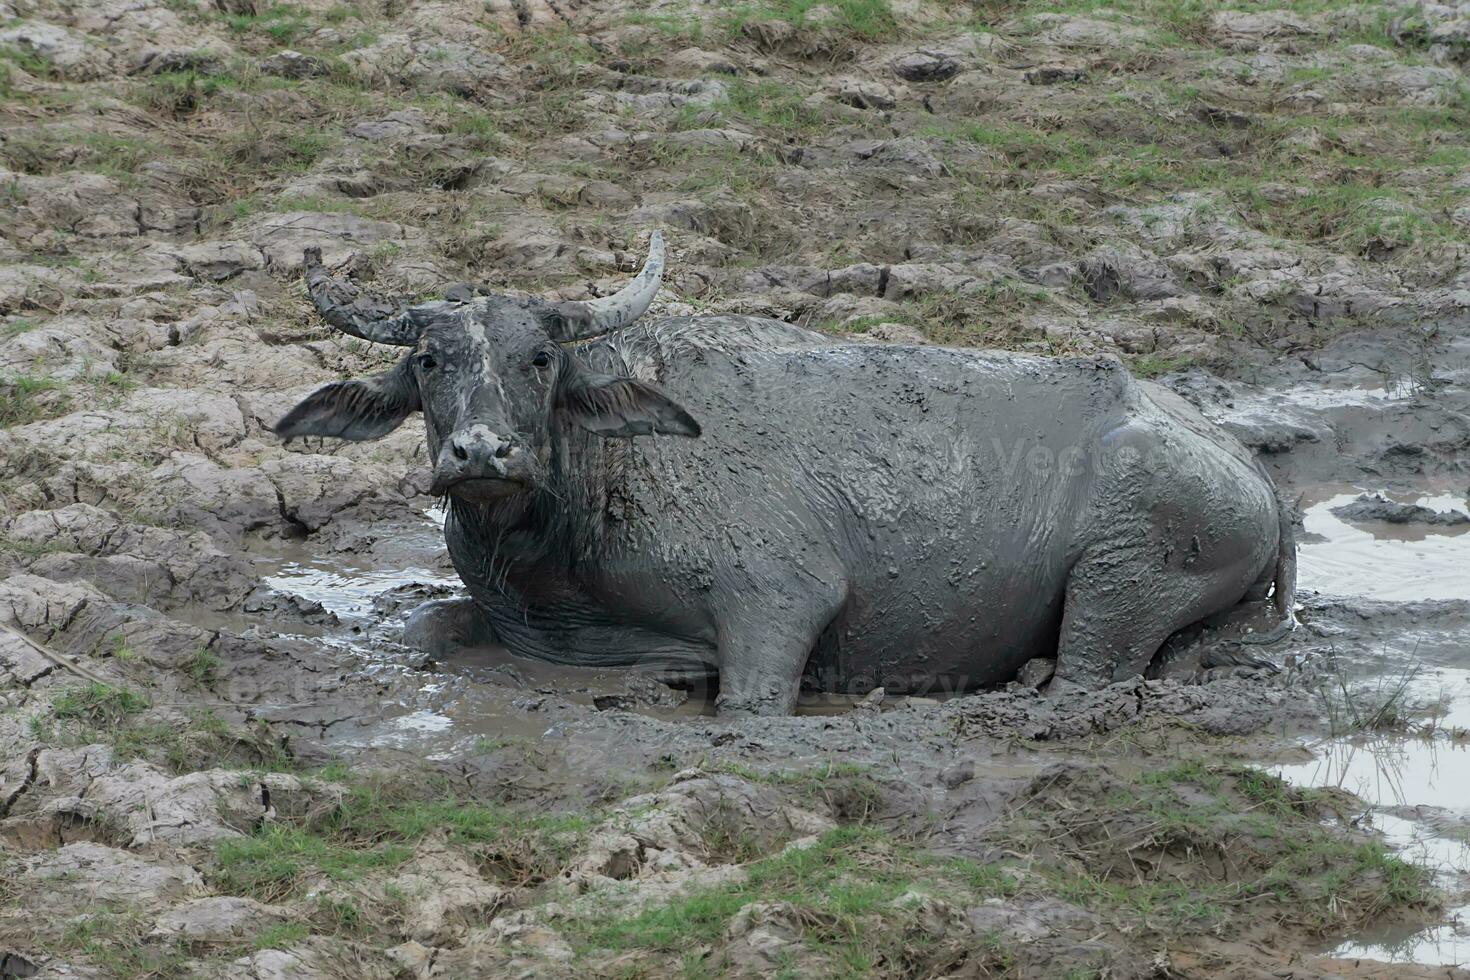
(204, 666)
(368, 830)
(28, 398)
(98, 705)
(867, 20)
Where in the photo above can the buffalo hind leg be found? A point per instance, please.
(1120, 610)
(441, 627)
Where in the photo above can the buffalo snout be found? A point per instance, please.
(478, 463)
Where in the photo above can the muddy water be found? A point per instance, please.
(1420, 801)
(348, 592)
(346, 583)
(1444, 945)
(1375, 559)
(485, 693)
(1345, 396)
(1417, 785)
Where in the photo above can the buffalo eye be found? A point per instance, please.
(427, 362)
(541, 360)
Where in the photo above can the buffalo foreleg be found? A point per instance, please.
(764, 650)
(444, 626)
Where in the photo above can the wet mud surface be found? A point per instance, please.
(222, 762)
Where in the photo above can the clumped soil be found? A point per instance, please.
(217, 761)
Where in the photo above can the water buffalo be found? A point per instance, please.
(804, 507)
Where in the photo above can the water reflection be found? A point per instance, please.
(1443, 945)
(1399, 562)
(1393, 390)
(1388, 772)
(1419, 794)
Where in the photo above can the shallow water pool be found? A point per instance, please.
(1378, 560)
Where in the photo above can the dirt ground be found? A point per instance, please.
(218, 761)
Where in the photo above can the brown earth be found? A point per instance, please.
(1263, 203)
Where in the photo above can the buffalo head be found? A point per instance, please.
(496, 378)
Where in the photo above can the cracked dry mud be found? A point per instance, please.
(1264, 204)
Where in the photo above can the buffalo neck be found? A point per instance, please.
(558, 528)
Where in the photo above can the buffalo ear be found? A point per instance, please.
(360, 409)
(621, 407)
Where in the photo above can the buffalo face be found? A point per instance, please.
(492, 378)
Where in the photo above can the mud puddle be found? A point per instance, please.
(345, 590)
(1379, 560)
(1413, 777)
(1327, 397)
(1420, 801)
(484, 692)
(1444, 945)
(1418, 797)
(346, 582)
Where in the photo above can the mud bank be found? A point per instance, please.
(1263, 208)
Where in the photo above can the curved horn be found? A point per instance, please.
(358, 312)
(607, 313)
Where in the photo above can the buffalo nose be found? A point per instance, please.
(478, 444)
